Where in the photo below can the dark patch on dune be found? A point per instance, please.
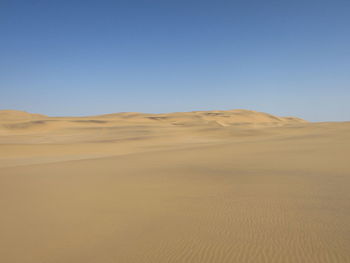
(24, 125)
(89, 121)
(212, 114)
(157, 118)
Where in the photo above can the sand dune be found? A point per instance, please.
(204, 186)
(14, 115)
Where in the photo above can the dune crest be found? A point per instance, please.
(19, 122)
(12, 119)
(16, 115)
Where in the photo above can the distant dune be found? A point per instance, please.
(22, 121)
(14, 115)
(201, 187)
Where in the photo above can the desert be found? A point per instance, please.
(202, 186)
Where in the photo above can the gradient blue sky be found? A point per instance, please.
(90, 57)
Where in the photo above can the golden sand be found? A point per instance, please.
(215, 186)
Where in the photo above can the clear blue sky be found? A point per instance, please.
(285, 57)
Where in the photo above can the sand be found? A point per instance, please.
(216, 186)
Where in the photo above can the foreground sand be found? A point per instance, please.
(234, 186)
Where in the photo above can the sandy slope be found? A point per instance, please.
(219, 186)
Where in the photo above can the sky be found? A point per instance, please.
(284, 57)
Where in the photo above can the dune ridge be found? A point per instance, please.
(15, 115)
(22, 121)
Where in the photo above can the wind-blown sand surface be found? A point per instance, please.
(218, 186)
